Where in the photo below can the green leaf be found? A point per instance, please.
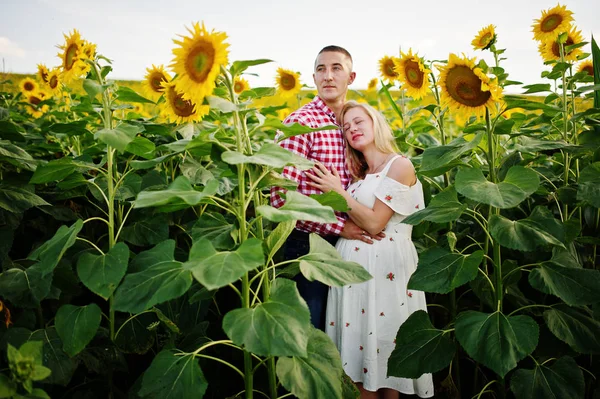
(118, 137)
(55, 358)
(7, 387)
(18, 199)
(441, 271)
(495, 340)
(589, 185)
(278, 237)
(52, 251)
(513, 101)
(277, 327)
(141, 147)
(574, 327)
(335, 200)
(443, 208)
(577, 287)
(257, 92)
(217, 269)
(437, 157)
(537, 88)
(213, 227)
(596, 63)
(17, 156)
(564, 380)
(127, 95)
(518, 184)
(420, 348)
(173, 375)
(237, 67)
(53, 171)
(75, 128)
(27, 287)
(93, 88)
(135, 334)
(77, 325)
(292, 129)
(147, 231)
(179, 195)
(317, 375)
(324, 263)
(221, 104)
(101, 274)
(298, 207)
(533, 145)
(269, 155)
(11, 131)
(538, 230)
(139, 165)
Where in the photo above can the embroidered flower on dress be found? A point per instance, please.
(347, 324)
(363, 311)
(360, 347)
(390, 276)
(394, 340)
(356, 249)
(391, 238)
(365, 370)
(381, 314)
(388, 198)
(377, 350)
(332, 324)
(409, 294)
(417, 207)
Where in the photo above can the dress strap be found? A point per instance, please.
(389, 164)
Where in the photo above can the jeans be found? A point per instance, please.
(313, 292)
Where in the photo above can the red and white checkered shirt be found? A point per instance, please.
(327, 147)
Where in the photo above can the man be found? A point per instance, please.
(332, 76)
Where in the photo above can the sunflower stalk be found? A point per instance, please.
(565, 112)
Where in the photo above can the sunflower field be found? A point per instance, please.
(141, 258)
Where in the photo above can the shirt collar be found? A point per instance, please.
(320, 104)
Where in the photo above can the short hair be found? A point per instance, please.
(383, 137)
(335, 49)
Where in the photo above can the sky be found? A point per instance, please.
(135, 34)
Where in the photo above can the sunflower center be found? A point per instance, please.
(28, 86)
(155, 81)
(485, 39)
(288, 82)
(556, 48)
(70, 56)
(589, 69)
(53, 82)
(389, 69)
(44, 76)
(550, 23)
(34, 100)
(200, 61)
(181, 107)
(238, 87)
(465, 87)
(414, 75)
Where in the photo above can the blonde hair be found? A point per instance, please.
(383, 138)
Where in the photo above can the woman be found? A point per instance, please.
(363, 319)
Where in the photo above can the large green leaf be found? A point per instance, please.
(179, 195)
(513, 101)
(55, 358)
(324, 263)
(173, 375)
(420, 348)
(573, 326)
(160, 279)
(495, 340)
(317, 375)
(26, 287)
(127, 95)
(538, 230)
(136, 334)
(217, 269)
(277, 327)
(589, 185)
(147, 231)
(518, 184)
(575, 286)
(278, 237)
(141, 147)
(75, 128)
(52, 251)
(16, 156)
(292, 129)
(562, 380)
(11, 131)
(101, 274)
(443, 208)
(237, 67)
(269, 155)
(18, 199)
(53, 171)
(439, 156)
(335, 200)
(77, 325)
(441, 271)
(214, 227)
(118, 137)
(298, 207)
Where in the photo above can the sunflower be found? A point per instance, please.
(42, 73)
(152, 84)
(553, 22)
(54, 81)
(586, 66)
(288, 83)
(198, 61)
(372, 86)
(240, 85)
(412, 74)
(177, 109)
(386, 67)
(72, 63)
(485, 38)
(550, 50)
(28, 86)
(34, 99)
(465, 88)
(88, 50)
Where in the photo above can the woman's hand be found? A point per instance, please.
(325, 180)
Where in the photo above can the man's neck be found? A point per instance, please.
(336, 106)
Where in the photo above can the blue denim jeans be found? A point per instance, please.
(313, 292)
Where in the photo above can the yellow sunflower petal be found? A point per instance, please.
(465, 88)
(550, 49)
(198, 61)
(28, 86)
(412, 74)
(153, 81)
(73, 66)
(553, 22)
(42, 73)
(34, 99)
(240, 85)
(386, 68)
(485, 38)
(288, 83)
(586, 66)
(372, 86)
(177, 109)
(54, 83)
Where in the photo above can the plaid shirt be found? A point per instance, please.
(327, 147)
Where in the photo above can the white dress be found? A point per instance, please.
(363, 319)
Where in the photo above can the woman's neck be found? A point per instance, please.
(375, 159)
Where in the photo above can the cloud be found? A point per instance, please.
(11, 49)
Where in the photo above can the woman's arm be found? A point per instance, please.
(372, 220)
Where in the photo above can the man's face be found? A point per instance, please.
(333, 75)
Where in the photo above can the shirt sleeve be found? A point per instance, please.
(402, 199)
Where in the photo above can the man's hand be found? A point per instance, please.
(353, 232)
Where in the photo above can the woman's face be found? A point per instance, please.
(358, 128)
